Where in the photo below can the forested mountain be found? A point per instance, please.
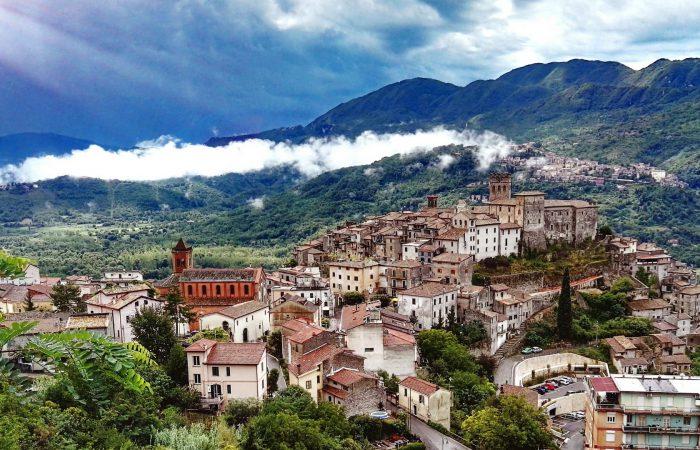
(601, 110)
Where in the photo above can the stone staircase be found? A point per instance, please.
(511, 344)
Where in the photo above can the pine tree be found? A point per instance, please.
(564, 314)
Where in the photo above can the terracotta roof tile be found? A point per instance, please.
(234, 353)
(430, 289)
(241, 309)
(310, 360)
(418, 385)
(248, 274)
(348, 377)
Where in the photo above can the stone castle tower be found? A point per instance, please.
(530, 207)
(499, 186)
(181, 257)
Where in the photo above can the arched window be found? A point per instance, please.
(218, 290)
(204, 290)
(189, 289)
(246, 289)
(232, 290)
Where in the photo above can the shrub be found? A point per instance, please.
(196, 437)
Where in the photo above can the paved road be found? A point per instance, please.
(504, 371)
(572, 431)
(433, 439)
(562, 390)
(272, 363)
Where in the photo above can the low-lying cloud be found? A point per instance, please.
(167, 157)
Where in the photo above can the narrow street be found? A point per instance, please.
(272, 363)
(433, 439)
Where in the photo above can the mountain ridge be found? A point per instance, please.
(558, 101)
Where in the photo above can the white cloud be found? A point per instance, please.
(445, 161)
(257, 203)
(166, 157)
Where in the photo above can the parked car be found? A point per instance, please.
(550, 386)
(541, 390)
(578, 414)
(526, 351)
(564, 380)
(553, 381)
(568, 379)
(536, 350)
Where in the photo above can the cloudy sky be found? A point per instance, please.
(121, 72)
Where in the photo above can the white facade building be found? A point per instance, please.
(429, 303)
(222, 371)
(122, 304)
(245, 322)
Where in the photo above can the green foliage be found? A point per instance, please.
(451, 365)
(93, 367)
(643, 276)
(188, 438)
(470, 390)
(11, 266)
(67, 298)
(292, 420)
(540, 333)
(564, 313)
(176, 308)
(606, 306)
(176, 365)
(239, 412)
(391, 382)
(153, 328)
(622, 285)
(272, 378)
(274, 344)
(353, 298)
(215, 334)
(509, 423)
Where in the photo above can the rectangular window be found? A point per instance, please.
(228, 371)
(421, 399)
(197, 378)
(308, 384)
(686, 420)
(405, 392)
(195, 361)
(215, 371)
(228, 388)
(610, 436)
(369, 349)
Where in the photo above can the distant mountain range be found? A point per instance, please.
(601, 110)
(15, 148)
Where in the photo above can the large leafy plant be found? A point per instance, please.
(92, 367)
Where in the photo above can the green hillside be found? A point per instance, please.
(214, 214)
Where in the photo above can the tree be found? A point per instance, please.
(643, 276)
(605, 230)
(176, 308)
(11, 266)
(353, 298)
(510, 423)
(272, 378)
(92, 367)
(176, 365)
(391, 382)
(67, 298)
(28, 302)
(153, 329)
(564, 312)
(239, 412)
(470, 390)
(274, 344)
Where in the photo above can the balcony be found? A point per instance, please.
(659, 429)
(212, 401)
(660, 410)
(660, 447)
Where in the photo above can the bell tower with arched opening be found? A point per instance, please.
(181, 257)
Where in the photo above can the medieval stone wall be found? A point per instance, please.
(586, 224)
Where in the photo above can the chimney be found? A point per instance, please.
(432, 201)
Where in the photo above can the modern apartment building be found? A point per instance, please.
(642, 412)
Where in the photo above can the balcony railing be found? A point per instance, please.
(660, 429)
(670, 410)
(212, 400)
(660, 447)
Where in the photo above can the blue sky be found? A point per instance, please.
(121, 72)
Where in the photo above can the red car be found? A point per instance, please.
(550, 386)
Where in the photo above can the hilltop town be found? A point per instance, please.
(355, 320)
